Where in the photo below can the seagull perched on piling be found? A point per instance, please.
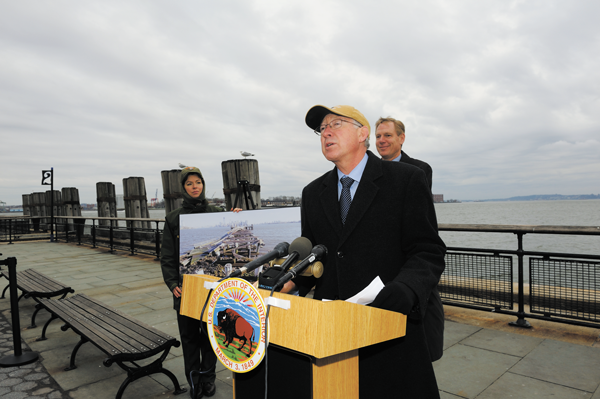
(246, 154)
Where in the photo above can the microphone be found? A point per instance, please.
(318, 252)
(300, 248)
(279, 251)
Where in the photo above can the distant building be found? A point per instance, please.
(280, 202)
(438, 197)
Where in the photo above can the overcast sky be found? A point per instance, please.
(501, 98)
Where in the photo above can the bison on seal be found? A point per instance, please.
(235, 326)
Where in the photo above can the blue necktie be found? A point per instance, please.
(345, 198)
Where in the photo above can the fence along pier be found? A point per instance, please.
(562, 287)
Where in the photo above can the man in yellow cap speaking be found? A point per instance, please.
(376, 219)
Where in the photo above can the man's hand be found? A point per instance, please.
(396, 297)
(177, 292)
(287, 287)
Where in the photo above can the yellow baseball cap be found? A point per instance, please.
(315, 115)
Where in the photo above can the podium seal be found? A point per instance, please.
(236, 325)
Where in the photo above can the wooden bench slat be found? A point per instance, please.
(38, 285)
(85, 326)
(35, 283)
(111, 330)
(114, 327)
(43, 279)
(148, 332)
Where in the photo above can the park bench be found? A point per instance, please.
(36, 285)
(121, 337)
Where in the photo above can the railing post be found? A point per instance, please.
(110, 237)
(10, 231)
(78, 231)
(131, 240)
(521, 322)
(56, 224)
(157, 242)
(93, 233)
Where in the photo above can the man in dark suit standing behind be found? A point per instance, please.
(376, 219)
(389, 136)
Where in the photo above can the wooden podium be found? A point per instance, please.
(320, 338)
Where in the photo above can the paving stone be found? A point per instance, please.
(42, 391)
(456, 332)
(9, 382)
(35, 376)
(519, 387)
(25, 386)
(26, 381)
(18, 373)
(503, 342)
(562, 363)
(479, 368)
(17, 395)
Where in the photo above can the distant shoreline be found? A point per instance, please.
(549, 197)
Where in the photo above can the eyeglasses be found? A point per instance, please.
(334, 125)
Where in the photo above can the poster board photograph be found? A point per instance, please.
(221, 242)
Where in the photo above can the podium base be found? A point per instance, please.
(290, 377)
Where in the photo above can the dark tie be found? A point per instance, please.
(345, 198)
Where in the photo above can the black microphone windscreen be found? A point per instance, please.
(283, 249)
(320, 251)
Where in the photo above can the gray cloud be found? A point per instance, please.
(500, 98)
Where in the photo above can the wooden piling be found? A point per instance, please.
(172, 189)
(106, 201)
(27, 200)
(70, 204)
(241, 178)
(136, 204)
(27, 205)
(38, 209)
(53, 205)
(53, 201)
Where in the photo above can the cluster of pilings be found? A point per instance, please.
(134, 195)
(41, 206)
(241, 188)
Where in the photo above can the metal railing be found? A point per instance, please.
(112, 233)
(562, 287)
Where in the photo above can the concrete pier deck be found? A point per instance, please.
(483, 357)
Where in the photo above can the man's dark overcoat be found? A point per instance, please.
(434, 319)
(419, 164)
(391, 232)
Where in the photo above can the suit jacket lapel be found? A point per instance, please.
(404, 157)
(329, 200)
(365, 194)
